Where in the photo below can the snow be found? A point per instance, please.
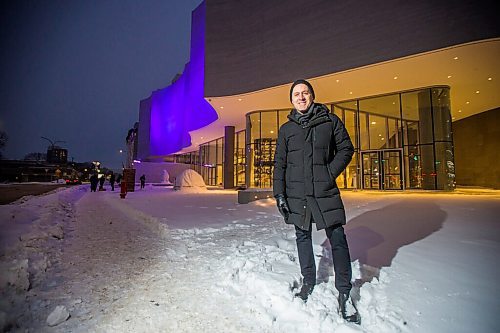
(190, 180)
(169, 261)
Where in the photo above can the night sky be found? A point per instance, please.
(76, 71)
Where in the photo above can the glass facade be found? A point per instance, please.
(402, 141)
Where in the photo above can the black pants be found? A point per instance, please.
(341, 257)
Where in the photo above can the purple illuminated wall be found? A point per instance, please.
(180, 107)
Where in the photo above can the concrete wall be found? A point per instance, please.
(476, 141)
(252, 45)
(154, 171)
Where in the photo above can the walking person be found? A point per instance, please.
(93, 182)
(143, 181)
(101, 183)
(312, 150)
(112, 181)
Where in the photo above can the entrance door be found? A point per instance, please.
(382, 170)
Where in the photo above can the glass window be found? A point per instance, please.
(377, 132)
(254, 126)
(445, 166)
(412, 167)
(283, 117)
(427, 163)
(239, 158)
(350, 125)
(393, 134)
(442, 114)
(363, 131)
(386, 106)
(269, 124)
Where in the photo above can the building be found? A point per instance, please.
(57, 155)
(415, 82)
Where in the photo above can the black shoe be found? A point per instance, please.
(347, 309)
(305, 291)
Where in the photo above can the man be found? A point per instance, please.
(143, 181)
(112, 181)
(313, 149)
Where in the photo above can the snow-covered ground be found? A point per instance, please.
(168, 261)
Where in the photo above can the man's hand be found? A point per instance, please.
(283, 206)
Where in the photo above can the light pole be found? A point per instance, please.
(52, 143)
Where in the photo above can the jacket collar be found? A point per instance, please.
(319, 116)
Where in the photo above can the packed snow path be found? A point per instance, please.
(164, 261)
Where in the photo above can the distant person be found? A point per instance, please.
(312, 150)
(112, 181)
(101, 183)
(93, 182)
(143, 181)
(119, 178)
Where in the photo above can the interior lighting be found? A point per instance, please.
(456, 58)
(459, 110)
(337, 81)
(449, 76)
(239, 99)
(453, 118)
(350, 92)
(222, 107)
(374, 122)
(272, 132)
(477, 91)
(467, 102)
(382, 139)
(395, 78)
(489, 79)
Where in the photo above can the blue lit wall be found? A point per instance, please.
(180, 107)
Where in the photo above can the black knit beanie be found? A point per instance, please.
(302, 81)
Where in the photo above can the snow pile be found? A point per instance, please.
(166, 178)
(31, 234)
(190, 180)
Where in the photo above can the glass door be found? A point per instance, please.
(382, 170)
(371, 170)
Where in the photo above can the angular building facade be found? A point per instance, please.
(399, 74)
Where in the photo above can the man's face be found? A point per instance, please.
(301, 97)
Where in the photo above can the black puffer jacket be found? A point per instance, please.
(308, 159)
